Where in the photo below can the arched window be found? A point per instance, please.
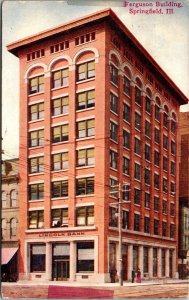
(13, 196)
(127, 81)
(3, 228)
(148, 100)
(13, 227)
(165, 117)
(4, 199)
(173, 123)
(157, 109)
(138, 92)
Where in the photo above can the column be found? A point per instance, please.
(72, 260)
(167, 263)
(48, 261)
(130, 261)
(152, 167)
(150, 262)
(141, 259)
(174, 264)
(159, 263)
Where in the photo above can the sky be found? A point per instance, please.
(164, 36)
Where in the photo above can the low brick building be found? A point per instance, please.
(96, 111)
(9, 220)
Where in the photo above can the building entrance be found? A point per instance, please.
(61, 269)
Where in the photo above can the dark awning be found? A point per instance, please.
(7, 254)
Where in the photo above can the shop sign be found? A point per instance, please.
(59, 234)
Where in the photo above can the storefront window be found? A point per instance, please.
(154, 262)
(135, 258)
(145, 260)
(163, 262)
(37, 258)
(85, 257)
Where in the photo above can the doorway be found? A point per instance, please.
(61, 270)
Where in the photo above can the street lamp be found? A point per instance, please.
(119, 203)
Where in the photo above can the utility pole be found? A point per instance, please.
(119, 203)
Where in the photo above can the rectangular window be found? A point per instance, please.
(173, 148)
(85, 216)
(36, 191)
(125, 220)
(137, 146)
(86, 100)
(147, 200)
(147, 176)
(36, 165)
(148, 105)
(156, 203)
(172, 168)
(59, 217)
(113, 74)
(36, 84)
(113, 159)
(60, 78)
(137, 196)
(165, 185)
(126, 139)
(172, 188)
(156, 181)
(172, 231)
(60, 106)
(125, 165)
(138, 95)
(156, 158)
(60, 161)
(164, 209)
(126, 86)
(147, 152)
(157, 135)
(157, 113)
(36, 138)
(85, 257)
(113, 187)
(156, 227)
(165, 142)
(113, 103)
(136, 222)
(37, 257)
(85, 157)
(85, 128)
(59, 189)
(137, 171)
(147, 129)
(125, 194)
(36, 112)
(137, 121)
(164, 228)
(113, 131)
(146, 224)
(145, 260)
(172, 209)
(60, 133)
(36, 219)
(126, 113)
(165, 163)
(86, 71)
(113, 218)
(85, 186)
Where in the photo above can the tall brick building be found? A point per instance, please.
(96, 110)
(184, 197)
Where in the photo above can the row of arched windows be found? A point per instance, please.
(9, 199)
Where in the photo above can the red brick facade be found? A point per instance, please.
(98, 56)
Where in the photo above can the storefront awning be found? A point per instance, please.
(7, 254)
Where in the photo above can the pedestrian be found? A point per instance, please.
(133, 276)
(113, 273)
(138, 278)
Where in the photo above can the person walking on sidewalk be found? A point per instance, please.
(138, 278)
(133, 276)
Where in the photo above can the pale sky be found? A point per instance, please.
(165, 37)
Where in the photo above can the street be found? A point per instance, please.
(176, 290)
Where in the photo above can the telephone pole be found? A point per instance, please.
(119, 203)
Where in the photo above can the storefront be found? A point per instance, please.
(9, 264)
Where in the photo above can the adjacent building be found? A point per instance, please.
(96, 111)
(184, 197)
(9, 220)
